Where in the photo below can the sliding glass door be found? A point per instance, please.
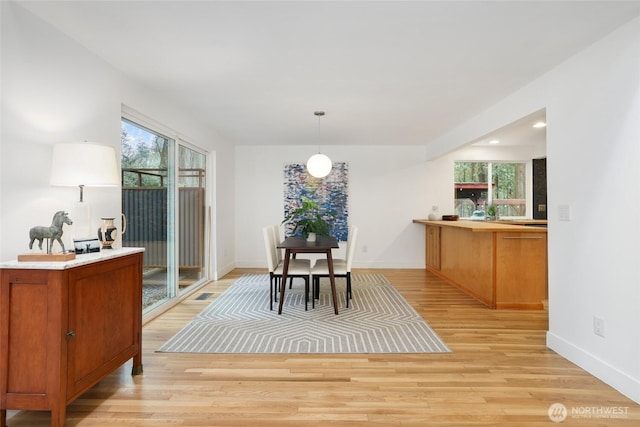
(163, 201)
(191, 214)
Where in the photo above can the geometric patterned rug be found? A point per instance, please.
(378, 320)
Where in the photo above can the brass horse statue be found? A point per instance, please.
(52, 233)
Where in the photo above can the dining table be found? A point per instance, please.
(300, 245)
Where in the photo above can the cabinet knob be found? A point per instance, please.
(71, 334)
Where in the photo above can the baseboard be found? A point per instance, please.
(356, 265)
(409, 265)
(600, 369)
(222, 271)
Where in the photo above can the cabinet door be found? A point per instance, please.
(433, 247)
(30, 337)
(104, 307)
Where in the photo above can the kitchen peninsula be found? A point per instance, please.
(503, 265)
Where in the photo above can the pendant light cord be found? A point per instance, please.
(319, 114)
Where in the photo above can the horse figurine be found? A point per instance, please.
(52, 233)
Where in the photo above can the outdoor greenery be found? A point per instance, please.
(505, 188)
(475, 172)
(145, 151)
(145, 157)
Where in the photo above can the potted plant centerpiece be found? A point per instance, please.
(310, 219)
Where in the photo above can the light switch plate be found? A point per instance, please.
(564, 213)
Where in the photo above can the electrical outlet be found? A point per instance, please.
(598, 326)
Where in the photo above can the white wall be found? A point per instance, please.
(385, 193)
(389, 186)
(593, 150)
(54, 90)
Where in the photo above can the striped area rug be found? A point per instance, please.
(378, 320)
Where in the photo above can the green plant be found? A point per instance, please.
(310, 218)
(491, 210)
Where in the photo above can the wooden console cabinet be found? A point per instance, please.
(66, 325)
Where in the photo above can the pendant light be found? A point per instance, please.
(319, 165)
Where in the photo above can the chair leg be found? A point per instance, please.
(270, 294)
(276, 289)
(306, 293)
(348, 288)
(313, 291)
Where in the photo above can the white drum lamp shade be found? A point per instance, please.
(84, 164)
(319, 165)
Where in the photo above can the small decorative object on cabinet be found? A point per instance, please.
(433, 215)
(107, 233)
(52, 233)
(88, 322)
(85, 246)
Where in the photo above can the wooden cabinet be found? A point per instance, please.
(503, 265)
(433, 246)
(521, 270)
(64, 328)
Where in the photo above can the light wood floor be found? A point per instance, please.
(499, 373)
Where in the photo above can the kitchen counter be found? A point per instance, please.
(490, 226)
(503, 265)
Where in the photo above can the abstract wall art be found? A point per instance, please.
(330, 192)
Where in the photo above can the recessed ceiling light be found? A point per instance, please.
(494, 141)
(539, 124)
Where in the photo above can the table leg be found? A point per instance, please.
(283, 282)
(332, 280)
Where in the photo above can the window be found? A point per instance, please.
(477, 185)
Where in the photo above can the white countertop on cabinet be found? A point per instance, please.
(82, 259)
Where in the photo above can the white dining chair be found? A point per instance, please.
(297, 267)
(341, 268)
(275, 229)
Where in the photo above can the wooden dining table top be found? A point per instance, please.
(300, 244)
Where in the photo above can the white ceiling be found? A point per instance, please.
(384, 72)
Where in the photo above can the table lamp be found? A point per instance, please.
(84, 164)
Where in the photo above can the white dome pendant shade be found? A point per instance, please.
(319, 165)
